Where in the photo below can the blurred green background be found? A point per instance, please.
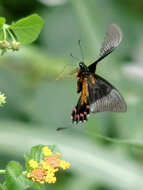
(37, 103)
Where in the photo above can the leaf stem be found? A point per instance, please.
(4, 32)
(11, 35)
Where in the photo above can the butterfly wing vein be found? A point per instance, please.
(111, 102)
(112, 39)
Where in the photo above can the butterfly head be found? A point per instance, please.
(82, 69)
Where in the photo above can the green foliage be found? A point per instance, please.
(27, 29)
(2, 22)
(39, 186)
(15, 179)
(36, 153)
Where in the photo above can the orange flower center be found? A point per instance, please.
(52, 161)
(39, 174)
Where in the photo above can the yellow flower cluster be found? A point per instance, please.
(44, 172)
(64, 165)
(33, 164)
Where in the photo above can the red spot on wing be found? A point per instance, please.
(80, 114)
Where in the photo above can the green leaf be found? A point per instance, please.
(36, 151)
(39, 186)
(26, 162)
(2, 22)
(15, 179)
(54, 148)
(27, 29)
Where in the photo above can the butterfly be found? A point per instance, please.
(96, 93)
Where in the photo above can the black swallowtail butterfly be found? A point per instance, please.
(97, 94)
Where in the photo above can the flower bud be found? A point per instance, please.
(15, 46)
(4, 44)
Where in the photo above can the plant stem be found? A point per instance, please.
(4, 32)
(11, 35)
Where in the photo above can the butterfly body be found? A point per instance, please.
(97, 94)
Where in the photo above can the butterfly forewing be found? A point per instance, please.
(104, 97)
(112, 39)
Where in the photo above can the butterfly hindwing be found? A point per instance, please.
(104, 97)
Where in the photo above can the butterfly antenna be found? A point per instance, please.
(81, 50)
(74, 57)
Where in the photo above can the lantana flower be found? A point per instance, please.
(45, 171)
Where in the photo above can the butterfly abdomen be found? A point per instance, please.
(84, 91)
(82, 109)
(83, 85)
